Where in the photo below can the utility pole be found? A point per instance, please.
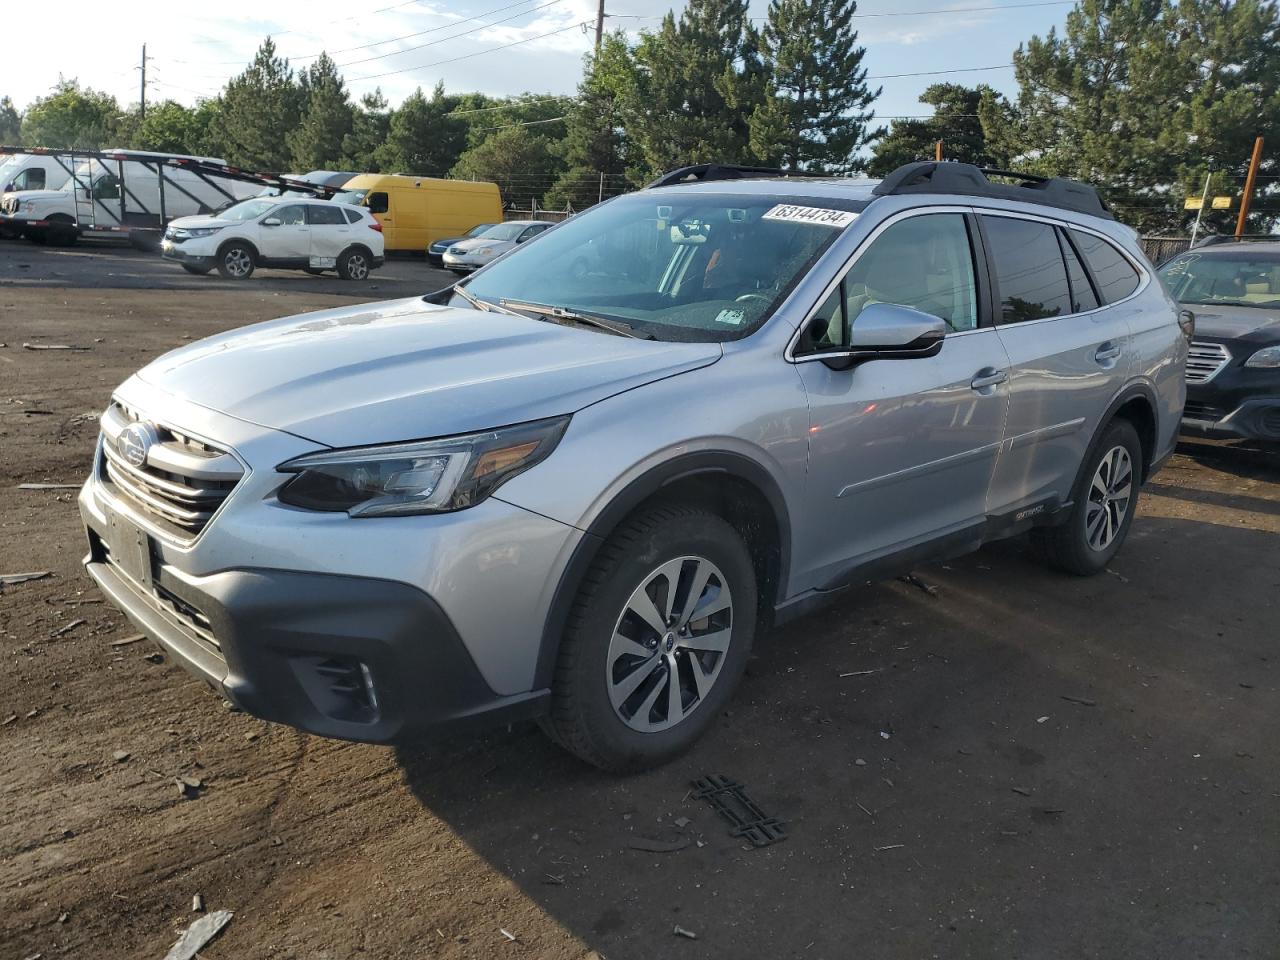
(1248, 186)
(937, 151)
(142, 96)
(599, 26)
(1204, 198)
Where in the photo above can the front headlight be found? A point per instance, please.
(483, 251)
(428, 476)
(1268, 357)
(187, 233)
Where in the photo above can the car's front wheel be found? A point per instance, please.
(236, 261)
(656, 641)
(1104, 501)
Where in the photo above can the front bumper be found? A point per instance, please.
(186, 253)
(347, 657)
(1239, 402)
(453, 261)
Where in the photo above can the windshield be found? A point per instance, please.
(353, 197)
(478, 230)
(704, 267)
(245, 210)
(1247, 278)
(502, 231)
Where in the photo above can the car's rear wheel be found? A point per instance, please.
(198, 271)
(235, 261)
(354, 264)
(1104, 501)
(657, 639)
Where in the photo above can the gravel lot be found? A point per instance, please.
(1037, 766)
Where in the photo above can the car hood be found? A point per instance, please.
(478, 242)
(204, 220)
(1225, 322)
(25, 195)
(405, 370)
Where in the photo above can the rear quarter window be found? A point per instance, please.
(1115, 276)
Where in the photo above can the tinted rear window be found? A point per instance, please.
(1029, 269)
(318, 213)
(352, 216)
(1115, 276)
(1082, 296)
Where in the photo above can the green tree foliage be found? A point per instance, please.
(422, 138)
(1143, 96)
(10, 122)
(70, 116)
(816, 115)
(326, 120)
(169, 127)
(370, 125)
(521, 163)
(956, 121)
(259, 108)
(697, 82)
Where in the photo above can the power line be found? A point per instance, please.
(934, 73)
(894, 13)
(468, 56)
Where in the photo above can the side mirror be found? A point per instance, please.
(888, 331)
(271, 222)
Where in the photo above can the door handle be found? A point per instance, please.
(988, 377)
(1108, 351)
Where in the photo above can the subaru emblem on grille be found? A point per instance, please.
(134, 442)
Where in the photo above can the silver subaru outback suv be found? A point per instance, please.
(576, 485)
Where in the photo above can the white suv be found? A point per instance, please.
(285, 232)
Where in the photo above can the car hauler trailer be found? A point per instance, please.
(130, 192)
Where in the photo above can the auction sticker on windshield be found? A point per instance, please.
(819, 215)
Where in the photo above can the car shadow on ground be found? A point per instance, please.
(1035, 765)
(1248, 459)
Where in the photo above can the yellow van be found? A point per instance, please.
(415, 211)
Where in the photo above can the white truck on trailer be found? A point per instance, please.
(132, 192)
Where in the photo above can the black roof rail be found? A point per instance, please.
(965, 179)
(699, 172)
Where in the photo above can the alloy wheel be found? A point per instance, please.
(357, 268)
(1109, 497)
(238, 262)
(669, 644)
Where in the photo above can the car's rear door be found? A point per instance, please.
(1070, 356)
(901, 452)
(330, 234)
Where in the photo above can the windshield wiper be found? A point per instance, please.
(587, 319)
(482, 305)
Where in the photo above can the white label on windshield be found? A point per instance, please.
(732, 317)
(819, 215)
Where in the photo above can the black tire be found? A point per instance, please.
(1068, 547)
(198, 271)
(62, 232)
(236, 260)
(582, 717)
(37, 235)
(355, 264)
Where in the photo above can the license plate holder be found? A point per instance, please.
(130, 549)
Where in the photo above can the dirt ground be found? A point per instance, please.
(1036, 767)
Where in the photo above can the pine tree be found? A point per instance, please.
(817, 113)
(696, 83)
(595, 145)
(260, 107)
(327, 117)
(422, 138)
(956, 122)
(519, 162)
(370, 125)
(10, 122)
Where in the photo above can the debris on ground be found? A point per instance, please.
(198, 935)
(1083, 701)
(891, 846)
(552, 879)
(1025, 791)
(682, 822)
(747, 820)
(188, 787)
(197, 904)
(51, 346)
(657, 846)
(9, 578)
(511, 937)
(8, 720)
(156, 657)
(1044, 719)
(64, 917)
(859, 762)
(124, 642)
(858, 673)
(120, 756)
(919, 584)
(1121, 577)
(49, 486)
(61, 631)
(680, 931)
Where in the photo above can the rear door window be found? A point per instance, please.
(1114, 274)
(1082, 296)
(378, 202)
(318, 213)
(352, 216)
(1029, 271)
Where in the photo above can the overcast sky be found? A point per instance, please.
(195, 48)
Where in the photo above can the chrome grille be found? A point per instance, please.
(1205, 361)
(181, 483)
